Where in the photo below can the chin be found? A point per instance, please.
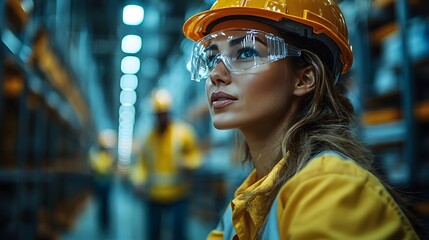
(225, 120)
(223, 125)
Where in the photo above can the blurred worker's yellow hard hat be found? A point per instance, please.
(161, 100)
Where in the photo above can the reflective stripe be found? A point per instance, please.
(165, 180)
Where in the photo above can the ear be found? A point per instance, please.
(305, 81)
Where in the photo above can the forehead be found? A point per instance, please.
(244, 23)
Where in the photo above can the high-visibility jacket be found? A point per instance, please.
(330, 198)
(101, 162)
(163, 159)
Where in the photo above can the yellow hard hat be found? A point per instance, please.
(320, 20)
(161, 100)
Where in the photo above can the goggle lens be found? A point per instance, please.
(239, 50)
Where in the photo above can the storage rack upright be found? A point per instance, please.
(391, 68)
(43, 132)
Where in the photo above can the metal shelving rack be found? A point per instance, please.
(403, 131)
(402, 136)
(35, 184)
(1, 54)
(407, 93)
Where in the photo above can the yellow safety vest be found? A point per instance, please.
(163, 158)
(102, 162)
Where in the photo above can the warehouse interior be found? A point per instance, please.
(63, 91)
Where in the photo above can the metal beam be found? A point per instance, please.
(2, 56)
(407, 87)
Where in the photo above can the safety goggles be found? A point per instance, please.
(239, 50)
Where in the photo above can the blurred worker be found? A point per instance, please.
(168, 156)
(101, 165)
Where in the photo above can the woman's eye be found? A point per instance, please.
(246, 53)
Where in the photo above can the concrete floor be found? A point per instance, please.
(127, 221)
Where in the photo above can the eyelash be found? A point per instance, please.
(246, 50)
(253, 51)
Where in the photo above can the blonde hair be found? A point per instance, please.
(325, 121)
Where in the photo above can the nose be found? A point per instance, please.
(220, 73)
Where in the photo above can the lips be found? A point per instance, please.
(221, 99)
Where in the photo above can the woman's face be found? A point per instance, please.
(259, 97)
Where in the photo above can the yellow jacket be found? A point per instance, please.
(330, 198)
(164, 160)
(101, 162)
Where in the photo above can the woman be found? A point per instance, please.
(272, 70)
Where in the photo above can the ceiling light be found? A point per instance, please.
(130, 65)
(131, 44)
(133, 15)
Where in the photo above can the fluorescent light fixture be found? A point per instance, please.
(125, 138)
(127, 124)
(131, 43)
(132, 15)
(125, 154)
(124, 142)
(129, 82)
(125, 145)
(128, 97)
(126, 120)
(125, 148)
(126, 117)
(130, 65)
(126, 109)
(123, 108)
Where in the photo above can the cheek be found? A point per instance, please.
(207, 90)
(271, 86)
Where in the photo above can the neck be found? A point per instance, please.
(264, 147)
(265, 141)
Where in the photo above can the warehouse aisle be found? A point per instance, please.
(126, 218)
(127, 221)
